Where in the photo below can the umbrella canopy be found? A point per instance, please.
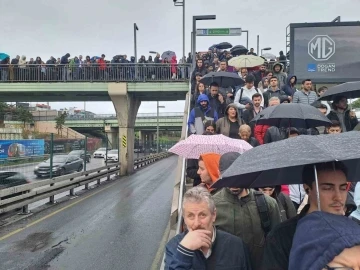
(195, 145)
(238, 50)
(269, 56)
(212, 47)
(223, 46)
(222, 78)
(292, 115)
(349, 90)
(274, 164)
(4, 56)
(246, 61)
(168, 55)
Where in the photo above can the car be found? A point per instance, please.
(100, 153)
(81, 154)
(62, 164)
(112, 156)
(11, 179)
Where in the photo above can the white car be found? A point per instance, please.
(112, 156)
(100, 153)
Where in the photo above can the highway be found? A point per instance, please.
(117, 226)
(28, 170)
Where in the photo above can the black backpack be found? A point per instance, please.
(263, 212)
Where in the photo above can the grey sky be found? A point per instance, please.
(91, 27)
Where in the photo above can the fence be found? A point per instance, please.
(111, 72)
(23, 194)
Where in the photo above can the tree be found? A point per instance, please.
(23, 115)
(60, 122)
(356, 104)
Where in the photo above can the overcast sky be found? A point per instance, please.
(91, 27)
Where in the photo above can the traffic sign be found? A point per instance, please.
(218, 32)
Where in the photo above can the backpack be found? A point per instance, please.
(263, 211)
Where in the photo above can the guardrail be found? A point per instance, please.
(21, 196)
(95, 72)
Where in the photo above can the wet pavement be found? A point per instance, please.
(117, 226)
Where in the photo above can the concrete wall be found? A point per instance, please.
(49, 127)
(11, 134)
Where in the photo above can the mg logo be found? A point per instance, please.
(321, 48)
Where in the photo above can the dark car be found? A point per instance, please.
(81, 154)
(11, 179)
(62, 164)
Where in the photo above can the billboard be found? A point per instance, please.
(325, 52)
(21, 148)
(68, 145)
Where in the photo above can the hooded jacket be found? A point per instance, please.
(211, 161)
(281, 76)
(240, 217)
(356, 213)
(22, 62)
(223, 124)
(199, 115)
(350, 123)
(319, 238)
(288, 88)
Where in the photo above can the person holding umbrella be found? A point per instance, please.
(341, 113)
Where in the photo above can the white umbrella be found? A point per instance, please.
(269, 56)
(246, 61)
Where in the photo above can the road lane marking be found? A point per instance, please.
(53, 213)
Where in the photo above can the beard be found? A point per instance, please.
(236, 191)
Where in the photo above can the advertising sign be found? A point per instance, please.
(325, 52)
(21, 148)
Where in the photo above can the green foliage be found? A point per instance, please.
(60, 122)
(356, 103)
(23, 115)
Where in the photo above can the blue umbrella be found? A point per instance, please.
(4, 56)
(95, 57)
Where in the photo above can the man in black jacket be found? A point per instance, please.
(341, 112)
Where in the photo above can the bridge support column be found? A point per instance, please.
(113, 137)
(126, 107)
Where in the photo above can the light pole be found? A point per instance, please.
(198, 18)
(157, 126)
(247, 37)
(265, 49)
(182, 4)
(135, 44)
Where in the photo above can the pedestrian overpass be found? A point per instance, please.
(125, 85)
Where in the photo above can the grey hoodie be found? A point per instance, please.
(281, 76)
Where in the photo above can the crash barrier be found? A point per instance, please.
(109, 72)
(21, 196)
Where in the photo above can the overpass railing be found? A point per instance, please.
(109, 72)
(22, 195)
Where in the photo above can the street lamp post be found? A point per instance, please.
(157, 126)
(198, 18)
(265, 49)
(247, 37)
(182, 4)
(135, 44)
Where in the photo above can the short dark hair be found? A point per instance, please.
(322, 88)
(308, 174)
(249, 79)
(256, 95)
(335, 123)
(306, 80)
(223, 61)
(207, 133)
(267, 72)
(214, 84)
(273, 77)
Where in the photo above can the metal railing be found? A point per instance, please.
(22, 195)
(110, 72)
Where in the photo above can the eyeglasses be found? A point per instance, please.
(337, 268)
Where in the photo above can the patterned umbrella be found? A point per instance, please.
(168, 55)
(195, 145)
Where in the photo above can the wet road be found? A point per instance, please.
(117, 226)
(28, 170)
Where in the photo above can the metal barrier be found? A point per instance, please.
(109, 72)
(21, 196)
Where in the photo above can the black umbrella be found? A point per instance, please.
(292, 115)
(223, 46)
(222, 78)
(238, 50)
(349, 90)
(282, 162)
(212, 47)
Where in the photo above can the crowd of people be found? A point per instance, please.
(272, 227)
(94, 68)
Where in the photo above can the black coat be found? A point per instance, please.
(350, 123)
(191, 171)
